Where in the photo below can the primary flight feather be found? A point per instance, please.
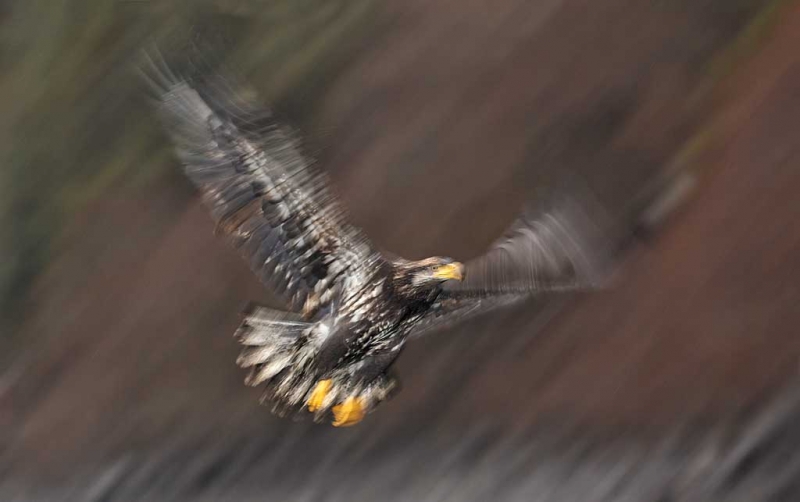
(351, 308)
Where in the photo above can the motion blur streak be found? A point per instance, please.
(678, 383)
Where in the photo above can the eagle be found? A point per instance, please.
(350, 307)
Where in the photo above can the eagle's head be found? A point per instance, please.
(430, 272)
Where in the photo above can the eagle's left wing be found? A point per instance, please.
(262, 191)
(562, 244)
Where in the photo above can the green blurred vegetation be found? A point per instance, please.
(75, 126)
(749, 39)
(744, 45)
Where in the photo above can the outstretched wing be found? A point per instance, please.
(262, 192)
(562, 244)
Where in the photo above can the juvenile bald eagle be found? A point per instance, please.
(351, 308)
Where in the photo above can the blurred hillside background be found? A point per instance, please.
(436, 119)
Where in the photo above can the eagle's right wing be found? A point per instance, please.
(262, 192)
(563, 244)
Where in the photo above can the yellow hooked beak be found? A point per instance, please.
(454, 271)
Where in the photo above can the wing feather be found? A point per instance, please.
(562, 244)
(559, 244)
(261, 191)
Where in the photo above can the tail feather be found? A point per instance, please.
(270, 338)
(265, 372)
(280, 350)
(265, 327)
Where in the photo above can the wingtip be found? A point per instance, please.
(598, 237)
(153, 69)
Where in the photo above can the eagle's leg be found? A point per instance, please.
(318, 395)
(354, 389)
(350, 412)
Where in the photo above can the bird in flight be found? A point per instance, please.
(350, 308)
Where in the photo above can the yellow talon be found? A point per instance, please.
(318, 395)
(348, 413)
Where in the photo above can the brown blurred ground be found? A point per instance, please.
(129, 349)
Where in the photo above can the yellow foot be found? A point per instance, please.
(348, 413)
(318, 395)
